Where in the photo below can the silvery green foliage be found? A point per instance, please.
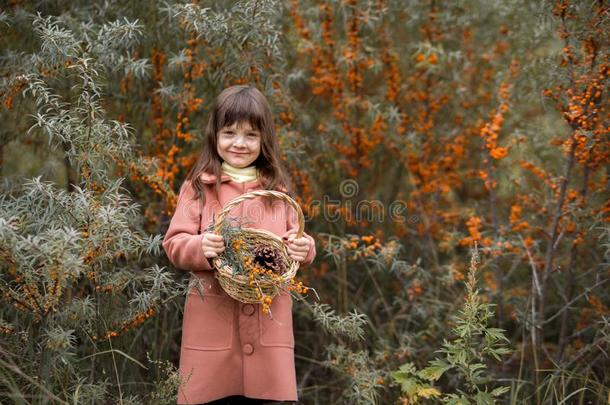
(167, 385)
(246, 28)
(107, 47)
(350, 325)
(360, 371)
(79, 127)
(44, 219)
(362, 375)
(84, 392)
(255, 24)
(70, 258)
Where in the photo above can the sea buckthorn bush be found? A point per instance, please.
(413, 132)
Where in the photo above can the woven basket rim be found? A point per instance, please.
(260, 193)
(234, 284)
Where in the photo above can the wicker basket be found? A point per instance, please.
(238, 285)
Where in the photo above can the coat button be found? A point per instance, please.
(248, 348)
(248, 309)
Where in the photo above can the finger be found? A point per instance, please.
(214, 237)
(212, 241)
(302, 254)
(217, 244)
(298, 258)
(212, 246)
(300, 248)
(295, 249)
(296, 255)
(301, 241)
(210, 254)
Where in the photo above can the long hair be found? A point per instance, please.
(237, 104)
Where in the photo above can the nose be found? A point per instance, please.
(239, 141)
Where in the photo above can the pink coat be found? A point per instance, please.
(231, 348)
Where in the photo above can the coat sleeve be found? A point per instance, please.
(292, 225)
(181, 243)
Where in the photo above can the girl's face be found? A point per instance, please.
(239, 145)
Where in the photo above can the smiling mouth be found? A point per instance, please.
(238, 153)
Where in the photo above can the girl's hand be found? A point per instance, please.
(298, 248)
(212, 244)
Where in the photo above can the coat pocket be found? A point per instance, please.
(208, 322)
(278, 330)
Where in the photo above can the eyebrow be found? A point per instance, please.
(252, 131)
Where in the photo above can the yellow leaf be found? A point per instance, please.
(428, 392)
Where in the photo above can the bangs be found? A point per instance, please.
(241, 107)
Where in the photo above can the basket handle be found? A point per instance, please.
(252, 194)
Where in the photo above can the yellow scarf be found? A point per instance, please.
(239, 174)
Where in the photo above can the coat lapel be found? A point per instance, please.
(209, 178)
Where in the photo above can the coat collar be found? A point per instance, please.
(209, 178)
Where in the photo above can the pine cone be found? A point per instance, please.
(269, 258)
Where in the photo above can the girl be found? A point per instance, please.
(232, 352)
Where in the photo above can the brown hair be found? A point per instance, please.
(236, 104)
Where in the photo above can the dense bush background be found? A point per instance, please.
(451, 159)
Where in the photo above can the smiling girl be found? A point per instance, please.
(233, 352)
